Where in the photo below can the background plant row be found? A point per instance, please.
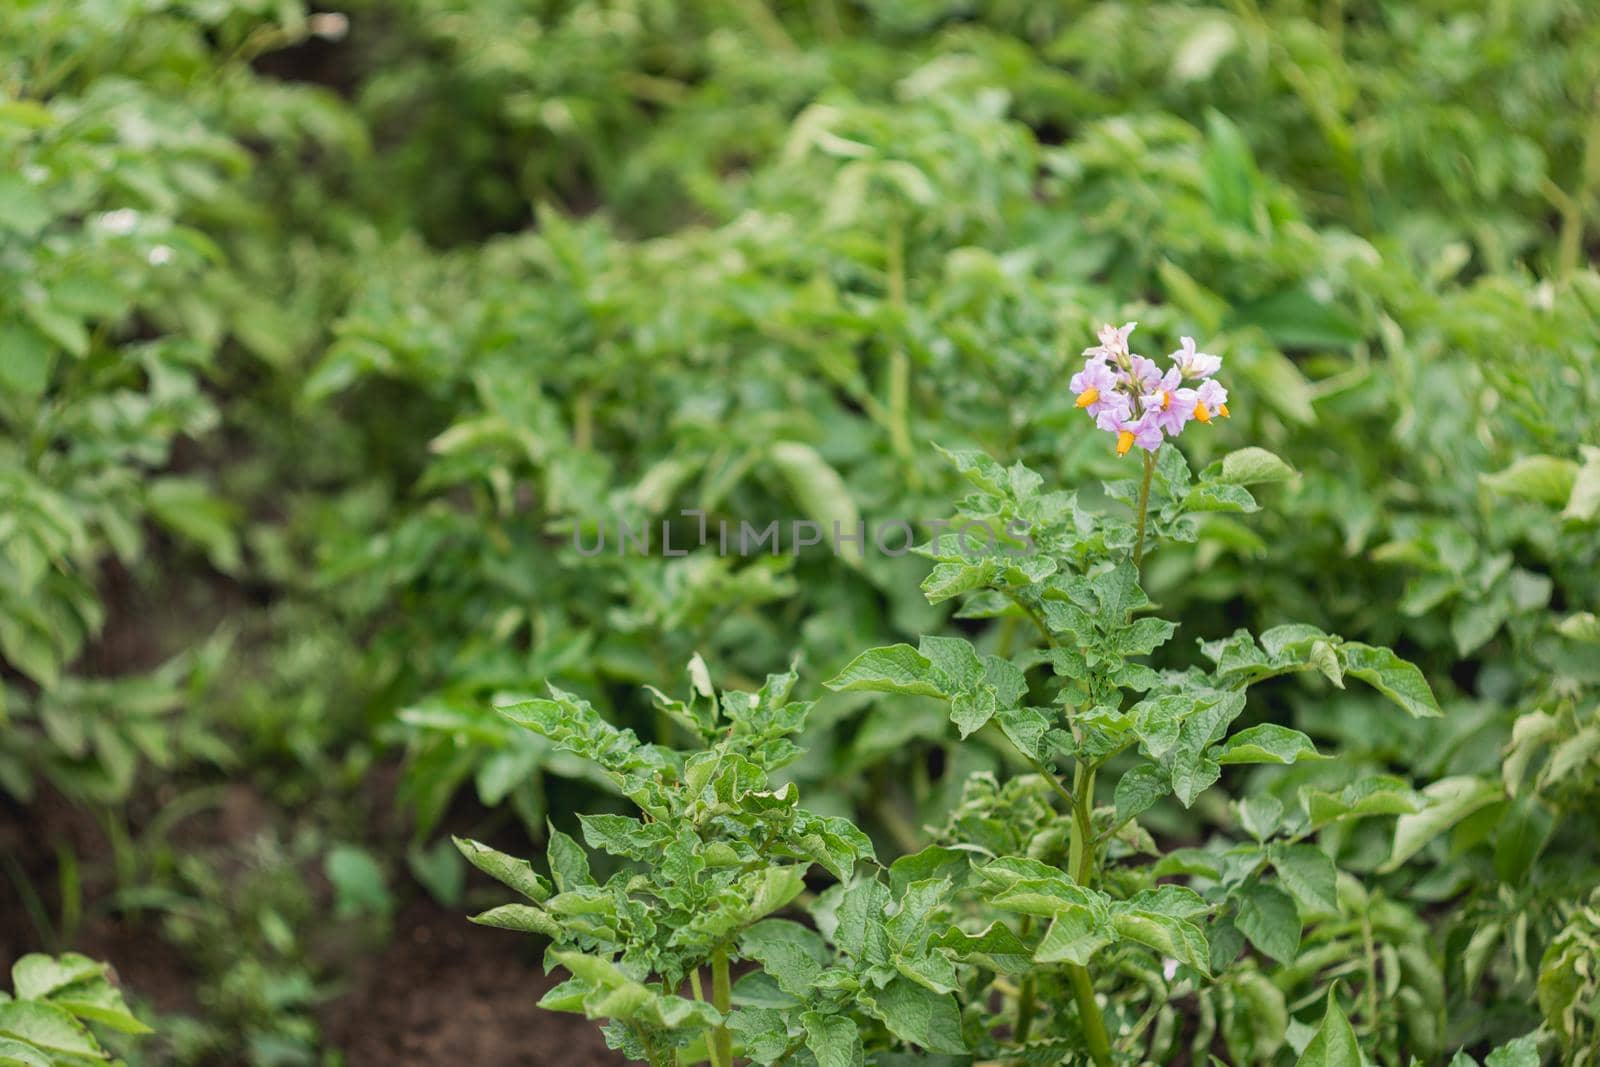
(317, 337)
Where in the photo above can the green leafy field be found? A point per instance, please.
(338, 349)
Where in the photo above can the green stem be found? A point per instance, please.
(1081, 857)
(1144, 506)
(1027, 1003)
(899, 388)
(1094, 1027)
(722, 1000)
(1569, 252)
(1372, 975)
(1027, 997)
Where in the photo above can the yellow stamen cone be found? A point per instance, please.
(1222, 409)
(1124, 442)
(1088, 396)
(1201, 414)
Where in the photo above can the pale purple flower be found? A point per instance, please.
(1142, 431)
(1117, 409)
(1095, 386)
(1210, 399)
(1170, 404)
(1145, 374)
(1192, 364)
(1113, 342)
(1129, 396)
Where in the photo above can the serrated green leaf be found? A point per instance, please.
(916, 1014)
(832, 1039)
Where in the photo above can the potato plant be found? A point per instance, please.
(1045, 922)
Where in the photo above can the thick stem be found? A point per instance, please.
(1027, 1003)
(1081, 847)
(700, 995)
(1144, 506)
(1094, 1027)
(1080, 853)
(722, 1000)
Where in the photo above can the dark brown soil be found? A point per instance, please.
(441, 991)
(448, 992)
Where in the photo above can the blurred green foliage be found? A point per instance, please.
(319, 333)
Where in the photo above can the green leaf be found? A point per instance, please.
(1448, 801)
(1220, 496)
(23, 209)
(760, 1032)
(516, 874)
(1268, 917)
(1251, 466)
(1547, 479)
(893, 669)
(917, 1014)
(61, 326)
(1521, 1052)
(1267, 743)
(1260, 814)
(1170, 935)
(569, 864)
(49, 1027)
(14, 1053)
(1376, 795)
(996, 947)
(1232, 181)
(1075, 935)
(97, 1000)
(26, 359)
(832, 1039)
(860, 931)
(1138, 790)
(189, 508)
(36, 976)
(521, 917)
(791, 954)
(1583, 503)
(932, 862)
(1308, 873)
(625, 837)
(822, 494)
(1392, 676)
(764, 892)
(1334, 1044)
(1522, 834)
(359, 885)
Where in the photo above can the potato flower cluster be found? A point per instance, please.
(1129, 396)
